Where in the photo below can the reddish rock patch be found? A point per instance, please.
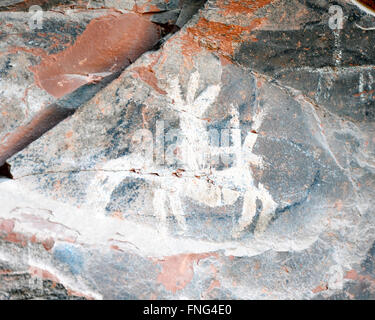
(108, 44)
(7, 233)
(320, 288)
(6, 225)
(148, 76)
(46, 275)
(177, 271)
(352, 275)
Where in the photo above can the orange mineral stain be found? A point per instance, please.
(146, 8)
(108, 44)
(190, 48)
(221, 37)
(238, 7)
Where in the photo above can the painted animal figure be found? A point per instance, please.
(194, 144)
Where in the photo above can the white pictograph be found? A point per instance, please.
(223, 187)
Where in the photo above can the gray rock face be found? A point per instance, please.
(233, 161)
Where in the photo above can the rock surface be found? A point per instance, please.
(236, 160)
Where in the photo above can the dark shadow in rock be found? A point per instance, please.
(5, 171)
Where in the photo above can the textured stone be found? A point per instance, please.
(135, 196)
(85, 59)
